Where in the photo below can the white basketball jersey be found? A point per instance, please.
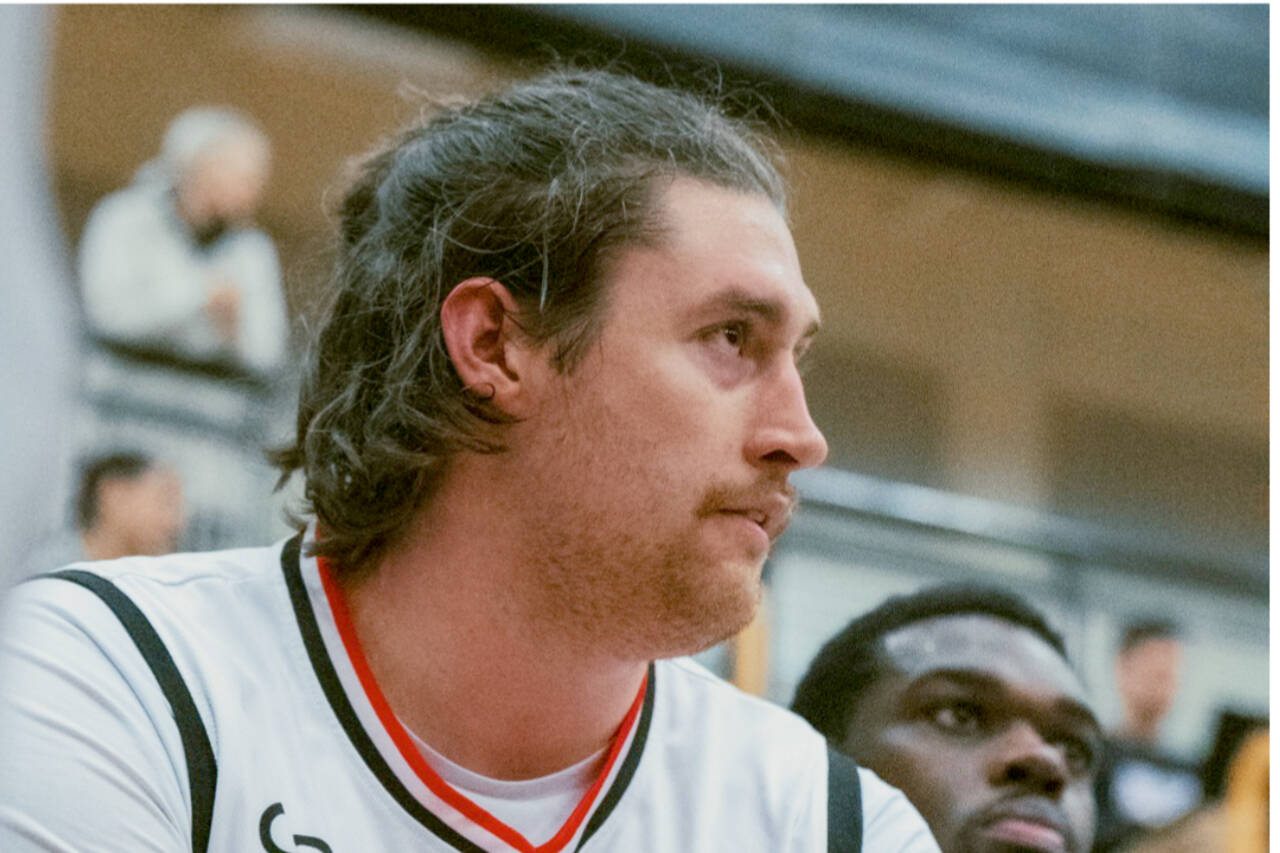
(284, 742)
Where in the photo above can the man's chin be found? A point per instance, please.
(697, 625)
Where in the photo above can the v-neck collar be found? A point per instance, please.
(388, 749)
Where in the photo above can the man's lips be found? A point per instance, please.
(771, 514)
(1028, 834)
(753, 526)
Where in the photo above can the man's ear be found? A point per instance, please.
(489, 351)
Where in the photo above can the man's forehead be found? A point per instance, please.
(977, 642)
(742, 246)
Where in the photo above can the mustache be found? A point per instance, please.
(722, 496)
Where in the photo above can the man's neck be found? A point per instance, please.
(467, 667)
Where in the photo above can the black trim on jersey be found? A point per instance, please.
(202, 768)
(844, 804)
(628, 769)
(290, 559)
(332, 686)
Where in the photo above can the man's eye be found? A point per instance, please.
(734, 334)
(956, 717)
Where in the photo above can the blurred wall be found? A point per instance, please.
(1057, 353)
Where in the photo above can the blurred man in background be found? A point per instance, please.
(173, 264)
(1140, 786)
(126, 504)
(962, 696)
(1148, 667)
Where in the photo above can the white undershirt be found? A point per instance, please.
(536, 808)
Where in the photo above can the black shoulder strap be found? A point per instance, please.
(202, 770)
(844, 804)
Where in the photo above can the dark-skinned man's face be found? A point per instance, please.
(985, 728)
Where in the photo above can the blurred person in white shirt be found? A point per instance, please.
(173, 264)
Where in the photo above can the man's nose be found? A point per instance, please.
(1022, 757)
(786, 436)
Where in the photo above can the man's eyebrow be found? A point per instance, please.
(769, 310)
(980, 680)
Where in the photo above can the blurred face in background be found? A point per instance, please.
(1147, 678)
(223, 185)
(985, 728)
(143, 513)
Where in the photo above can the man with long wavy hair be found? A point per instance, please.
(546, 432)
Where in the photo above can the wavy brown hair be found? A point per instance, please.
(534, 187)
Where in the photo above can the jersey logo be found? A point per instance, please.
(274, 811)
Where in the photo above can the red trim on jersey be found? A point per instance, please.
(437, 785)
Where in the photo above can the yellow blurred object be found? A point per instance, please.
(1248, 795)
(751, 651)
(1237, 824)
(1202, 831)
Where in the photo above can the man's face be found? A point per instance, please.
(224, 184)
(986, 729)
(146, 510)
(1147, 676)
(657, 469)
